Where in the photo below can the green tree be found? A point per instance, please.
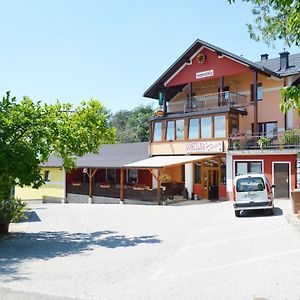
(133, 126)
(30, 132)
(278, 19)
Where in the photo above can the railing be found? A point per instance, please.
(211, 101)
(114, 192)
(289, 139)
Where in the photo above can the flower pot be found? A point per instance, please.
(4, 228)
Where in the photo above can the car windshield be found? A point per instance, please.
(250, 184)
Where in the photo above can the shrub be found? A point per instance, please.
(291, 137)
(12, 210)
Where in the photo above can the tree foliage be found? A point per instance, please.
(30, 132)
(132, 125)
(278, 19)
(275, 19)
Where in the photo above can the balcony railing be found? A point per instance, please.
(212, 101)
(289, 139)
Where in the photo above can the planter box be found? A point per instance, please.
(296, 201)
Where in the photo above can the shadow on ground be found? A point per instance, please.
(261, 213)
(46, 245)
(30, 216)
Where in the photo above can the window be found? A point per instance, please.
(183, 173)
(179, 129)
(233, 125)
(132, 176)
(259, 92)
(157, 132)
(47, 176)
(219, 126)
(193, 128)
(250, 184)
(111, 175)
(197, 173)
(244, 167)
(206, 126)
(170, 131)
(268, 129)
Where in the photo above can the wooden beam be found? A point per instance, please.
(254, 93)
(122, 184)
(153, 174)
(221, 98)
(158, 188)
(165, 102)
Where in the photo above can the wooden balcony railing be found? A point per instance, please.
(212, 101)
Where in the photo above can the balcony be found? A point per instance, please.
(289, 139)
(216, 100)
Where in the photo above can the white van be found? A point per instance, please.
(252, 191)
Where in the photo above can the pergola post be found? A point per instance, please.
(158, 187)
(121, 185)
(91, 173)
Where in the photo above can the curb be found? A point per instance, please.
(294, 220)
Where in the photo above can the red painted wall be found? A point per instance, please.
(222, 192)
(221, 66)
(197, 189)
(268, 159)
(145, 177)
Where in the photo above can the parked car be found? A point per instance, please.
(252, 191)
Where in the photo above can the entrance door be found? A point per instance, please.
(281, 180)
(210, 183)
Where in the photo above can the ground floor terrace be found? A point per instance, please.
(160, 179)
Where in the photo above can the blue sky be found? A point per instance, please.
(110, 50)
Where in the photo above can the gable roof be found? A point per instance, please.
(158, 85)
(109, 156)
(273, 64)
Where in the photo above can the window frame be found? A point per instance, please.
(199, 128)
(259, 85)
(47, 177)
(248, 165)
(161, 131)
(127, 176)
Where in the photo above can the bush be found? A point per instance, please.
(12, 210)
(291, 137)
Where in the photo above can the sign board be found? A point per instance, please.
(204, 147)
(204, 74)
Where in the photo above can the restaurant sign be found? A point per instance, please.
(204, 74)
(198, 147)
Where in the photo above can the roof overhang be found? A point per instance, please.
(159, 84)
(158, 162)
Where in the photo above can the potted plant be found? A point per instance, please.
(263, 142)
(236, 144)
(11, 210)
(291, 137)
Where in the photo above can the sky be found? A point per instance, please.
(111, 50)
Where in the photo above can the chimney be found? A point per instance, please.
(284, 60)
(264, 56)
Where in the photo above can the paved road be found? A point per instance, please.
(149, 252)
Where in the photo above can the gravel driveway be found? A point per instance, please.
(79, 251)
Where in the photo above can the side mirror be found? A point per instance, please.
(273, 186)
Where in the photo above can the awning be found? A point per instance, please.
(157, 162)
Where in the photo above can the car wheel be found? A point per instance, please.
(237, 213)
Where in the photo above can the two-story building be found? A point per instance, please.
(219, 116)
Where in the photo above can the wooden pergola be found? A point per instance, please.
(157, 163)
